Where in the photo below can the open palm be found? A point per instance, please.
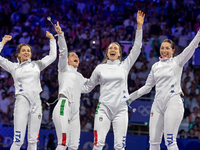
(140, 17)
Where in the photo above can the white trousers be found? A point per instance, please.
(102, 124)
(168, 121)
(26, 114)
(67, 125)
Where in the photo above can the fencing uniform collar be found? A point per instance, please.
(72, 68)
(29, 60)
(115, 62)
(164, 59)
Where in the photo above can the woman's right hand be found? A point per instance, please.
(58, 28)
(6, 38)
(49, 35)
(140, 19)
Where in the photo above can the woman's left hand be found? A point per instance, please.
(49, 35)
(140, 17)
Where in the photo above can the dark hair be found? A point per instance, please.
(172, 44)
(120, 51)
(20, 46)
(69, 53)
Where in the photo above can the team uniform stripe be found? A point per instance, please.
(62, 107)
(98, 107)
(64, 139)
(95, 137)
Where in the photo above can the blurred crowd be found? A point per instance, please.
(89, 26)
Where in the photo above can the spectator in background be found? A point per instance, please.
(129, 22)
(6, 120)
(46, 46)
(196, 131)
(152, 60)
(1, 88)
(196, 122)
(155, 44)
(182, 134)
(25, 8)
(191, 134)
(25, 38)
(162, 36)
(17, 37)
(86, 125)
(143, 74)
(194, 88)
(189, 102)
(178, 30)
(139, 63)
(5, 19)
(197, 24)
(195, 113)
(13, 33)
(11, 97)
(4, 104)
(183, 40)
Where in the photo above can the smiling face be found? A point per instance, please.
(113, 52)
(73, 59)
(24, 52)
(167, 49)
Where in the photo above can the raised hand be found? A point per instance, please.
(140, 17)
(6, 38)
(58, 28)
(49, 35)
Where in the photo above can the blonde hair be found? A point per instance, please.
(120, 51)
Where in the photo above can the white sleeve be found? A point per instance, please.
(135, 51)
(47, 60)
(150, 83)
(5, 63)
(92, 82)
(187, 53)
(63, 55)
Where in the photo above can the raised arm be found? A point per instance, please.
(47, 60)
(4, 63)
(136, 49)
(63, 55)
(187, 53)
(150, 82)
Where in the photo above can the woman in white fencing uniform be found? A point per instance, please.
(26, 75)
(167, 109)
(112, 76)
(66, 111)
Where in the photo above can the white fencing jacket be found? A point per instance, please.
(166, 75)
(27, 74)
(70, 81)
(112, 77)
